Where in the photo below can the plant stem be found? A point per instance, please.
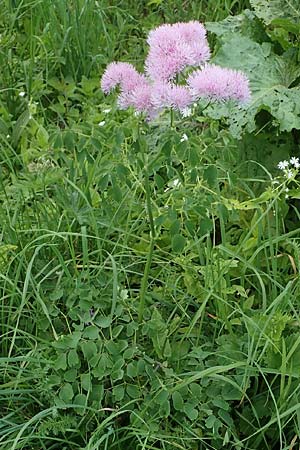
(144, 283)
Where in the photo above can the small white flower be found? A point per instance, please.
(289, 174)
(7, 136)
(184, 138)
(175, 182)
(101, 124)
(106, 111)
(186, 112)
(283, 165)
(286, 189)
(295, 162)
(22, 94)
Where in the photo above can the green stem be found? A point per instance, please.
(171, 117)
(145, 279)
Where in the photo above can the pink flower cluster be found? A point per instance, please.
(173, 48)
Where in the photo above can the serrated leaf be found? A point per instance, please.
(267, 10)
(270, 76)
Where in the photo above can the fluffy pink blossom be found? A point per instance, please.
(123, 74)
(161, 95)
(168, 95)
(219, 83)
(141, 98)
(181, 97)
(174, 47)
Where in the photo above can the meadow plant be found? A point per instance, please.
(168, 82)
(174, 50)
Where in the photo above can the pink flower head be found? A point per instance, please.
(139, 98)
(161, 95)
(123, 74)
(194, 34)
(174, 47)
(181, 97)
(167, 95)
(219, 83)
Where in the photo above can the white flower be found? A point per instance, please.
(184, 138)
(101, 124)
(175, 182)
(106, 111)
(186, 112)
(22, 94)
(295, 162)
(283, 165)
(289, 174)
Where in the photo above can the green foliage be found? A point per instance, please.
(273, 74)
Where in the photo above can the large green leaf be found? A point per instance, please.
(268, 10)
(270, 76)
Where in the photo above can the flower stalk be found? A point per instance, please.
(145, 279)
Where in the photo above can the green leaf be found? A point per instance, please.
(68, 341)
(267, 10)
(80, 400)
(91, 332)
(73, 359)
(70, 375)
(86, 381)
(177, 401)
(131, 369)
(164, 409)
(190, 411)
(103, 321)
(61, 362)
(118, 392)
(211, 176)
(66, 393)
(178, 243)
(89, 349)
(132, 391)
(270, 76)
(42, 136)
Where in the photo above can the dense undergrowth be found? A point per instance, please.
(213, 359)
